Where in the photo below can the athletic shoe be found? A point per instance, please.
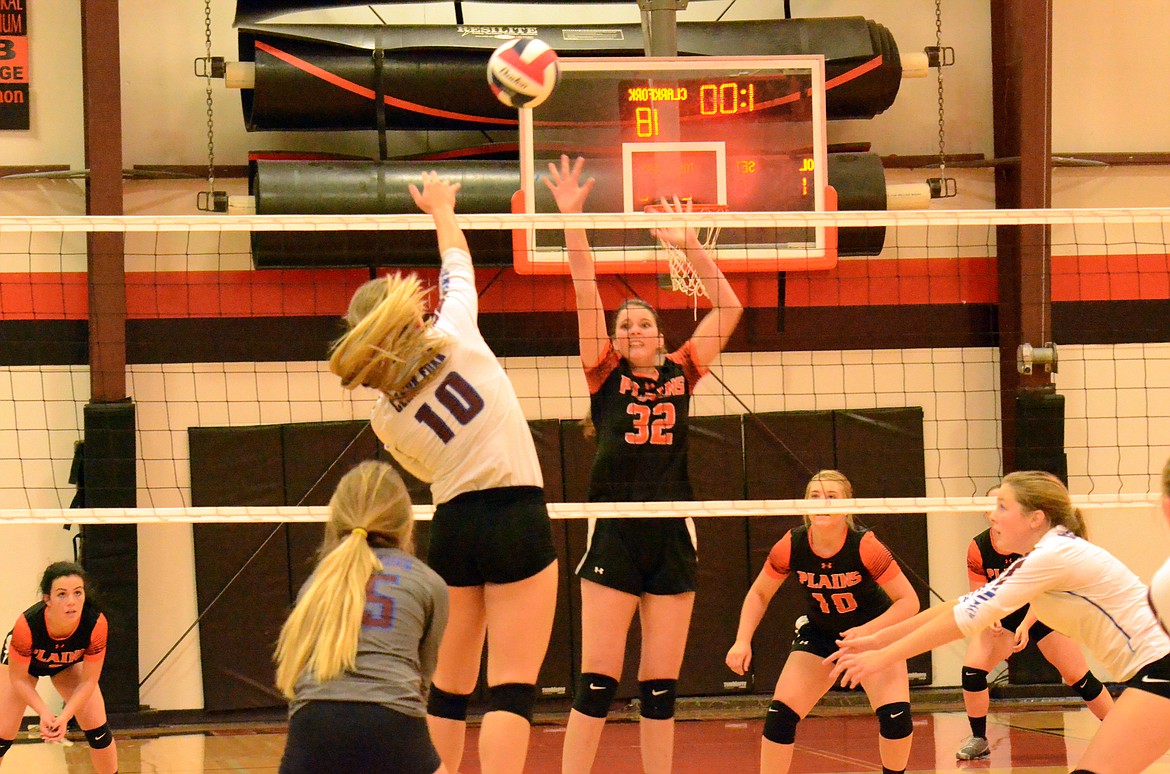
(974, 747)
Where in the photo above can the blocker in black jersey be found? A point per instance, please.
(641, 424)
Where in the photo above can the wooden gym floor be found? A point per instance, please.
(1035, 739)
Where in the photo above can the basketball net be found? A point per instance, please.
(683, 278)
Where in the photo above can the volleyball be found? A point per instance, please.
(523, 72)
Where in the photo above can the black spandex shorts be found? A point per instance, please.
(641, 556)
(1153, 678)
(491, 536)
(354, 737)
(1036, 631)
(813, 639)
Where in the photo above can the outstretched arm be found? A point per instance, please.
(905, 605)
(716, 327)
(570, 193)
(863, 656)
(437, 199)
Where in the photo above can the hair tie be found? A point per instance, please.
(360, 533)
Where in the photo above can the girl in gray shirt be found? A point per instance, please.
(355, 657)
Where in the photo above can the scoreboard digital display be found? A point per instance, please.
(743, 134)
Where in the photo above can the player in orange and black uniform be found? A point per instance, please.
(852, 583)
(62, 637)
(639, 406)
(992, 645)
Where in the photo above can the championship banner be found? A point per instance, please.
(13, 65)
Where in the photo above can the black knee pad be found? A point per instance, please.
(4, 745)
(595, 694)
(1089, 687)
(780, 723)
(894, 720)
(974, 680)
(100, 738)
(657, 698)
(451, 706)
(516, 698)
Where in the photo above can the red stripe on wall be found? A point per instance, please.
(326, 292)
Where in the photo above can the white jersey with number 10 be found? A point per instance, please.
(464, 431)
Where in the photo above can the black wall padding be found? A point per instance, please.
(316, 455)
(1039, 446)
(239, 466)
(419, 57)
(717, 473)
(109, 553)
(359, 187)
(556, 675)
(1040, 432)
(732, 457)
(881, 451)
(782, 451)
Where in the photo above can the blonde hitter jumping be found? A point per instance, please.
(449, 415)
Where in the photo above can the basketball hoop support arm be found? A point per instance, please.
(660, 25)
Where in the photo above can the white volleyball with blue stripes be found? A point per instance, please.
(523, 72)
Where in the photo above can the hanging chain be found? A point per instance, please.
(210, 111)
(942, 135)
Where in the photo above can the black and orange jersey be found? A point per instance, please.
(641, 428)
(984, 562)
(844, 590)
(47, 655)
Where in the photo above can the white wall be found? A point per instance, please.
(1105, 99)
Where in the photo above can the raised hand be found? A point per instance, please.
(565, 184)
(675, 235)
(436, 194)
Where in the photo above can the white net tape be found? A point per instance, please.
(619, 221)
(633, 510)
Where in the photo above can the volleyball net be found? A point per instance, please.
(213, 342)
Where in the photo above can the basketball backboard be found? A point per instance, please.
(743, 134)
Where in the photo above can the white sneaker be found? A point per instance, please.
(974, 747)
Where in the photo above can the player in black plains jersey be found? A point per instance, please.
(852, 583)
(992, 645)
(62, 637)
(639, 406)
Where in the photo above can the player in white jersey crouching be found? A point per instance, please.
(1073, 586)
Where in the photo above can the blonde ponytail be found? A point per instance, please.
(389, 340)
(370, 507)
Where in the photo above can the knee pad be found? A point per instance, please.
(780, 723)
(99, 738)
(4, 745)
(894, 720)
(1089, 687)
(657, 698)
(516, 698)
(974, 680)
(595, 694)
(451, 706)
